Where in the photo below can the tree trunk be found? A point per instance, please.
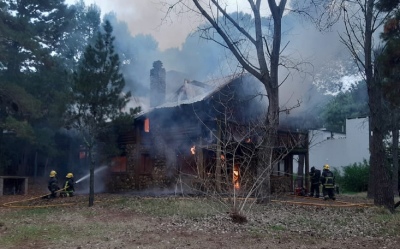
(2, 155)
(91, 179)
(265, 153)
(23, 168)
(373, 143)
(36, 166)
(263, 185)
(395, 149)
(270, 81)
(371, 182)
(379, 180)
(46, 166)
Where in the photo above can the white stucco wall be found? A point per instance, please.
(357, 130)
(338, 149)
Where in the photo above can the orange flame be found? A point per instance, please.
(193, 149)
(236, 177)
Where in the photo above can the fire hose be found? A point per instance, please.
(11, 204)
(336, 203)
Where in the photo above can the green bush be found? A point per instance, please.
(354, 177)
(338, 176)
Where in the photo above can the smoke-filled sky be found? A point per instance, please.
(327, 58)
(149, 17)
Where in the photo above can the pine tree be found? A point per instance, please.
(82, 30)
(29, 76)
(389, 60)
(388, 68)
(97, 94)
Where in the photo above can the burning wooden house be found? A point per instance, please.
(204, 137)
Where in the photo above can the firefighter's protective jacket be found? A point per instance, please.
(315, 176)
(69, 185)
(327, 179)
(53, 184)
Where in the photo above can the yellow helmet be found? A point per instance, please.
(53, 173)
(70, 175)
(326, 166)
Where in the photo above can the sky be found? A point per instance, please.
(149, 17)
(146, 17)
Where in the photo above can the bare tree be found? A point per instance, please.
(257, 49)
(236, 136)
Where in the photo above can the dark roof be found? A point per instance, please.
(194, 91)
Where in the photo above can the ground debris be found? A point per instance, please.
(111, 224)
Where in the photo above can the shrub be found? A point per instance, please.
(355, 177)
(338, 176)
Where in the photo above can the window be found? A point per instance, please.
(147, 125)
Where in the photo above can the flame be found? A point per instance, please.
(236, 177)
(193, 149)
(222, 157)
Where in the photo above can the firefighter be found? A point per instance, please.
(53, 184)
(69, 188)
(315, 175)
(328, 183)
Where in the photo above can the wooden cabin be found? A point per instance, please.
(203, 138)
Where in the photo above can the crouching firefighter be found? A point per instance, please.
(53, 184)
(69, 189)
(328, 183)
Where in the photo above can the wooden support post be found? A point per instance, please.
(300, 171)
(307, 169)
(290, 170)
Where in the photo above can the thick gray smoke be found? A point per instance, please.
(321, 61)
(320, 64)
(148, 34)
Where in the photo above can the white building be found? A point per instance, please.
(338, 149)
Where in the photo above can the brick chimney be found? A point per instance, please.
(157, 84)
